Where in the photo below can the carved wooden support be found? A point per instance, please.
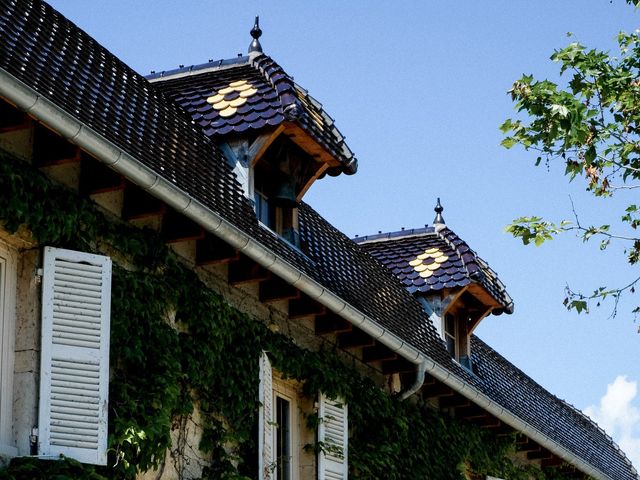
(12, 119)
(139, 203)
(541, 454)
(354, 339)
(397, 366)
(305, 306)
(96, 177)
(49, 148)
(453, 401)
(178, 228)
(436, 389)
(211, 250)
(276, 289)
(331, 323)
(246, 270)
(378, 352)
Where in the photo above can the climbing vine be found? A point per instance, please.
(177, 345)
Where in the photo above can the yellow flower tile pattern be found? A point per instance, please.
(250, 96)
(227, 100)
(429, 261)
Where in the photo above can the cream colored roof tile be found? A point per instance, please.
(227, 112)
(215, 99)
(248, 93)
(441, 259)
(237, 102)
(221, 105)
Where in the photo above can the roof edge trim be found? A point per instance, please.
(511, 419)
(85, 137)
(82, 135)
(216, 65)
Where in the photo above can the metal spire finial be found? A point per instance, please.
(255, 46)
(439, 220)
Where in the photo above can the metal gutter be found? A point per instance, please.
(69, 127)
(482, 400)
(27, 99)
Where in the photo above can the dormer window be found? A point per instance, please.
(281, 176)
(456, 337)
(275, 202)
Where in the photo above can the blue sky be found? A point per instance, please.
(419, 90)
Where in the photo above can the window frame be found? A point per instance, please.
(286, 391)
(8, 290)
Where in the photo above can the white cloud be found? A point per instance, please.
(619, 417)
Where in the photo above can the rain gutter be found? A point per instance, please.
(44, 110)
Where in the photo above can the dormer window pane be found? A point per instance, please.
(262, 208)
(450, 334)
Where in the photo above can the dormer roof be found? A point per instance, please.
(252, 94)
(429, 260)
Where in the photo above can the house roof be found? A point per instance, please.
(554, 417)
(430, 260)
(252, 94)
(49, 54)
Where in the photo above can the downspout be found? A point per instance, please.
(417, 385)
(25, 98)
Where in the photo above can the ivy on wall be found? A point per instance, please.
(176, 344)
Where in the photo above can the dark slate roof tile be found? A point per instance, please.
(50, 54)
(275, 94)
(518, 393)
(458, 263)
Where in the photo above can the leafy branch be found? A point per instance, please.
(591, 124)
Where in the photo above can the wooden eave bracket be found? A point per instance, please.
(260, 145)
(12, 118)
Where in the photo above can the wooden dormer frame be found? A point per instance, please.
(303, 140)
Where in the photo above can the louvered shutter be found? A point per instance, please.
(266, 460)
(74, 369)
(333, 432)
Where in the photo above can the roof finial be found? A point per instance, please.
(255, 46)
(439, 220)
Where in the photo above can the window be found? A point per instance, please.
(284, 432)
(74, 361)
(8, 275)
(275, 205)
(450, 334)
(281, 434)
(456, 337)
(278, 424)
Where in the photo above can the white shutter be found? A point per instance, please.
(266, 459)
(74, 367)
(333, 432)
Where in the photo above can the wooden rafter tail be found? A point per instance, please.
(178, 228)
(330, 323)
(12, 119)
(305, 306)
(276, 289)
(397, 366)
(51, 149)
(210, 250)
(355, 339)
(377, 353)
(245, 271)
(139, 204)
(96, 177)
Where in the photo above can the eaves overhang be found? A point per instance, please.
(45, 111)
